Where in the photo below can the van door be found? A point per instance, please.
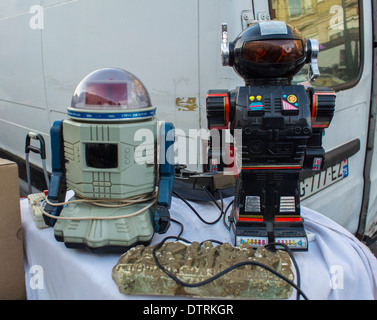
(22, 96)
(368, 219)
(345, 62)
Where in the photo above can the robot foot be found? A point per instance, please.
(255, 234)
(290, 234)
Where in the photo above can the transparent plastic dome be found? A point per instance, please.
(110, 89)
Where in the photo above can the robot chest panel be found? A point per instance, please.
(267, 108)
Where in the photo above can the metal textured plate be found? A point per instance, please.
(136, 272)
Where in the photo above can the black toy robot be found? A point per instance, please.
(282, 126)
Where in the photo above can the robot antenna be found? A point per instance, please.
(313, 50)
(225, 52)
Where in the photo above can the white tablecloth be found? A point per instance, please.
(337, 265)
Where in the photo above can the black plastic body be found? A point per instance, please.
(278, 141)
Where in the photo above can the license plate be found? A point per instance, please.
(323, 179)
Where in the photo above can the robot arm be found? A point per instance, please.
(218, 109)
(165, 190)
(58, 187)
(322, 112)
(220, 106)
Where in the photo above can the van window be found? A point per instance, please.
(336, 26)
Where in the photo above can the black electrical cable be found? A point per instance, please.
(193, 209)
(289, 251)
(211, 240)
(222, 209)
(225, 212)
(218, 275)
(212, 198)
(179, 223)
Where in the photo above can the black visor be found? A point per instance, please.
(273, 51)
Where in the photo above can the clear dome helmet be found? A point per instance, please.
(111, 94)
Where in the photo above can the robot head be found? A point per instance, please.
(110, 94)
(269, 51)
(110, 111)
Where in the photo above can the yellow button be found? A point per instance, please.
(259, 98)
(252, 98)
(292, 98)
